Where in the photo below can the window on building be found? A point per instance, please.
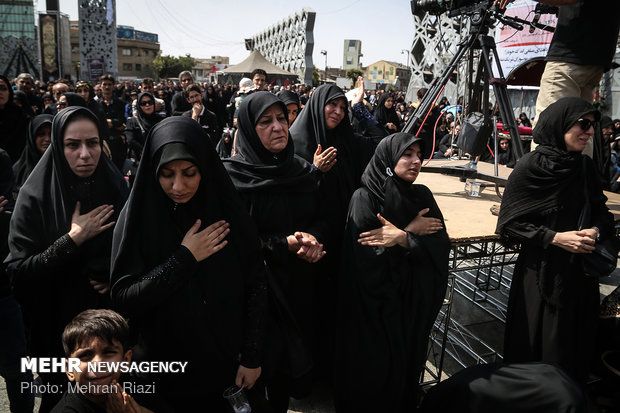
(126, 52)
(138, 67)
(127, 66)
(349, 60)
(146, 52)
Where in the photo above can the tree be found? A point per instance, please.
(170, 66)
(353, 74)
(316, 78)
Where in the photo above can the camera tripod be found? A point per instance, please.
(478, 89)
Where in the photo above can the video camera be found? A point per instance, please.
(453, 7)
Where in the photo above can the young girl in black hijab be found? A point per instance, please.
(39, 138)
(187, 269)
(392, 284)
(60, 237)
(553, 305)
(139, 126)
(281, 194)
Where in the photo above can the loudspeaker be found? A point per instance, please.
(475, 134)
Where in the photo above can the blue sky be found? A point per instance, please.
(208, 28)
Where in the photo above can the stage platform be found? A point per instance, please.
(480, 266)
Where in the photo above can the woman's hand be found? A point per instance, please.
(358, 95)
(305, 246)
(207, 242)
(324, 161)
(91, 224)
(577, 242)
(391, 126)
(100, 287)
(386, 236)
(247, 377)
(422, 225)
(3, 202)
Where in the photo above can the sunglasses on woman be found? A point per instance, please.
(146, 102)
(586, 124)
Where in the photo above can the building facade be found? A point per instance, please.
(19, 51)
(136, 51)
(203, 69)
(384, 73)
(351, 55)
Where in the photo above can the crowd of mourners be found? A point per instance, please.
(271, 236)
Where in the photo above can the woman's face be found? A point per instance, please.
(180, 180)
(293, 111)
(84, 92)
(147, 105)
(62, 102)
(43, 137)
(334, 112)
(82, 148)
(272, 129)
(389, 102)
(577, 136)
(409, 164)
(4, 93)
(503, 144)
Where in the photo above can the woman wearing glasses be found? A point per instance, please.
(553, 304)
(138, 126)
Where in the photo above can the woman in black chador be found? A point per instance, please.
(187, 269)
(60, 237)
(37, 142)
(280, 191)
(392, 284)
(386, 115)
(553, 305)
(138, 126)
(13, 122)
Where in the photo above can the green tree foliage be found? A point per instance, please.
(170, 66)
(353, 74)
(316, 79)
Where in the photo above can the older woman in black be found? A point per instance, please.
(553, 305)
(60, 236)
(393, 280)
(187, 270)
(281, 193)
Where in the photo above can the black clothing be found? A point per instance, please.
(138, 126)
(179, 104)
(514, 388)
(289, 97)
(208, 121)
(214, 104)
(215, 305)
(115, 111)
(575, 42)
(30, 155)
(270, 185)
(13, 126)
(553, 306)
(505, 157)
(223, 148)
(354, 152)
(388, 298)
(73, 99)
(76, 402)
(385, 115)
(50, 274)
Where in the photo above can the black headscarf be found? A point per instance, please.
(254, 167)
(150, 222)
(30, 155)
(13, 125)
(288, 97)
(224, 148)
(541, 176)
(73, 99)
(146, 122)
(309, 129)
(385, 115)
(47, 199)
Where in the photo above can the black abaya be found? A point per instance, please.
(388, 298)
(13, 126)
(209, 313)
(553, 305)
(30, 155)
(50, 274)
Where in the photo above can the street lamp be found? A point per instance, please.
(403, 51)
(324, 52)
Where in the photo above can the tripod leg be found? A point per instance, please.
(501, 93)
